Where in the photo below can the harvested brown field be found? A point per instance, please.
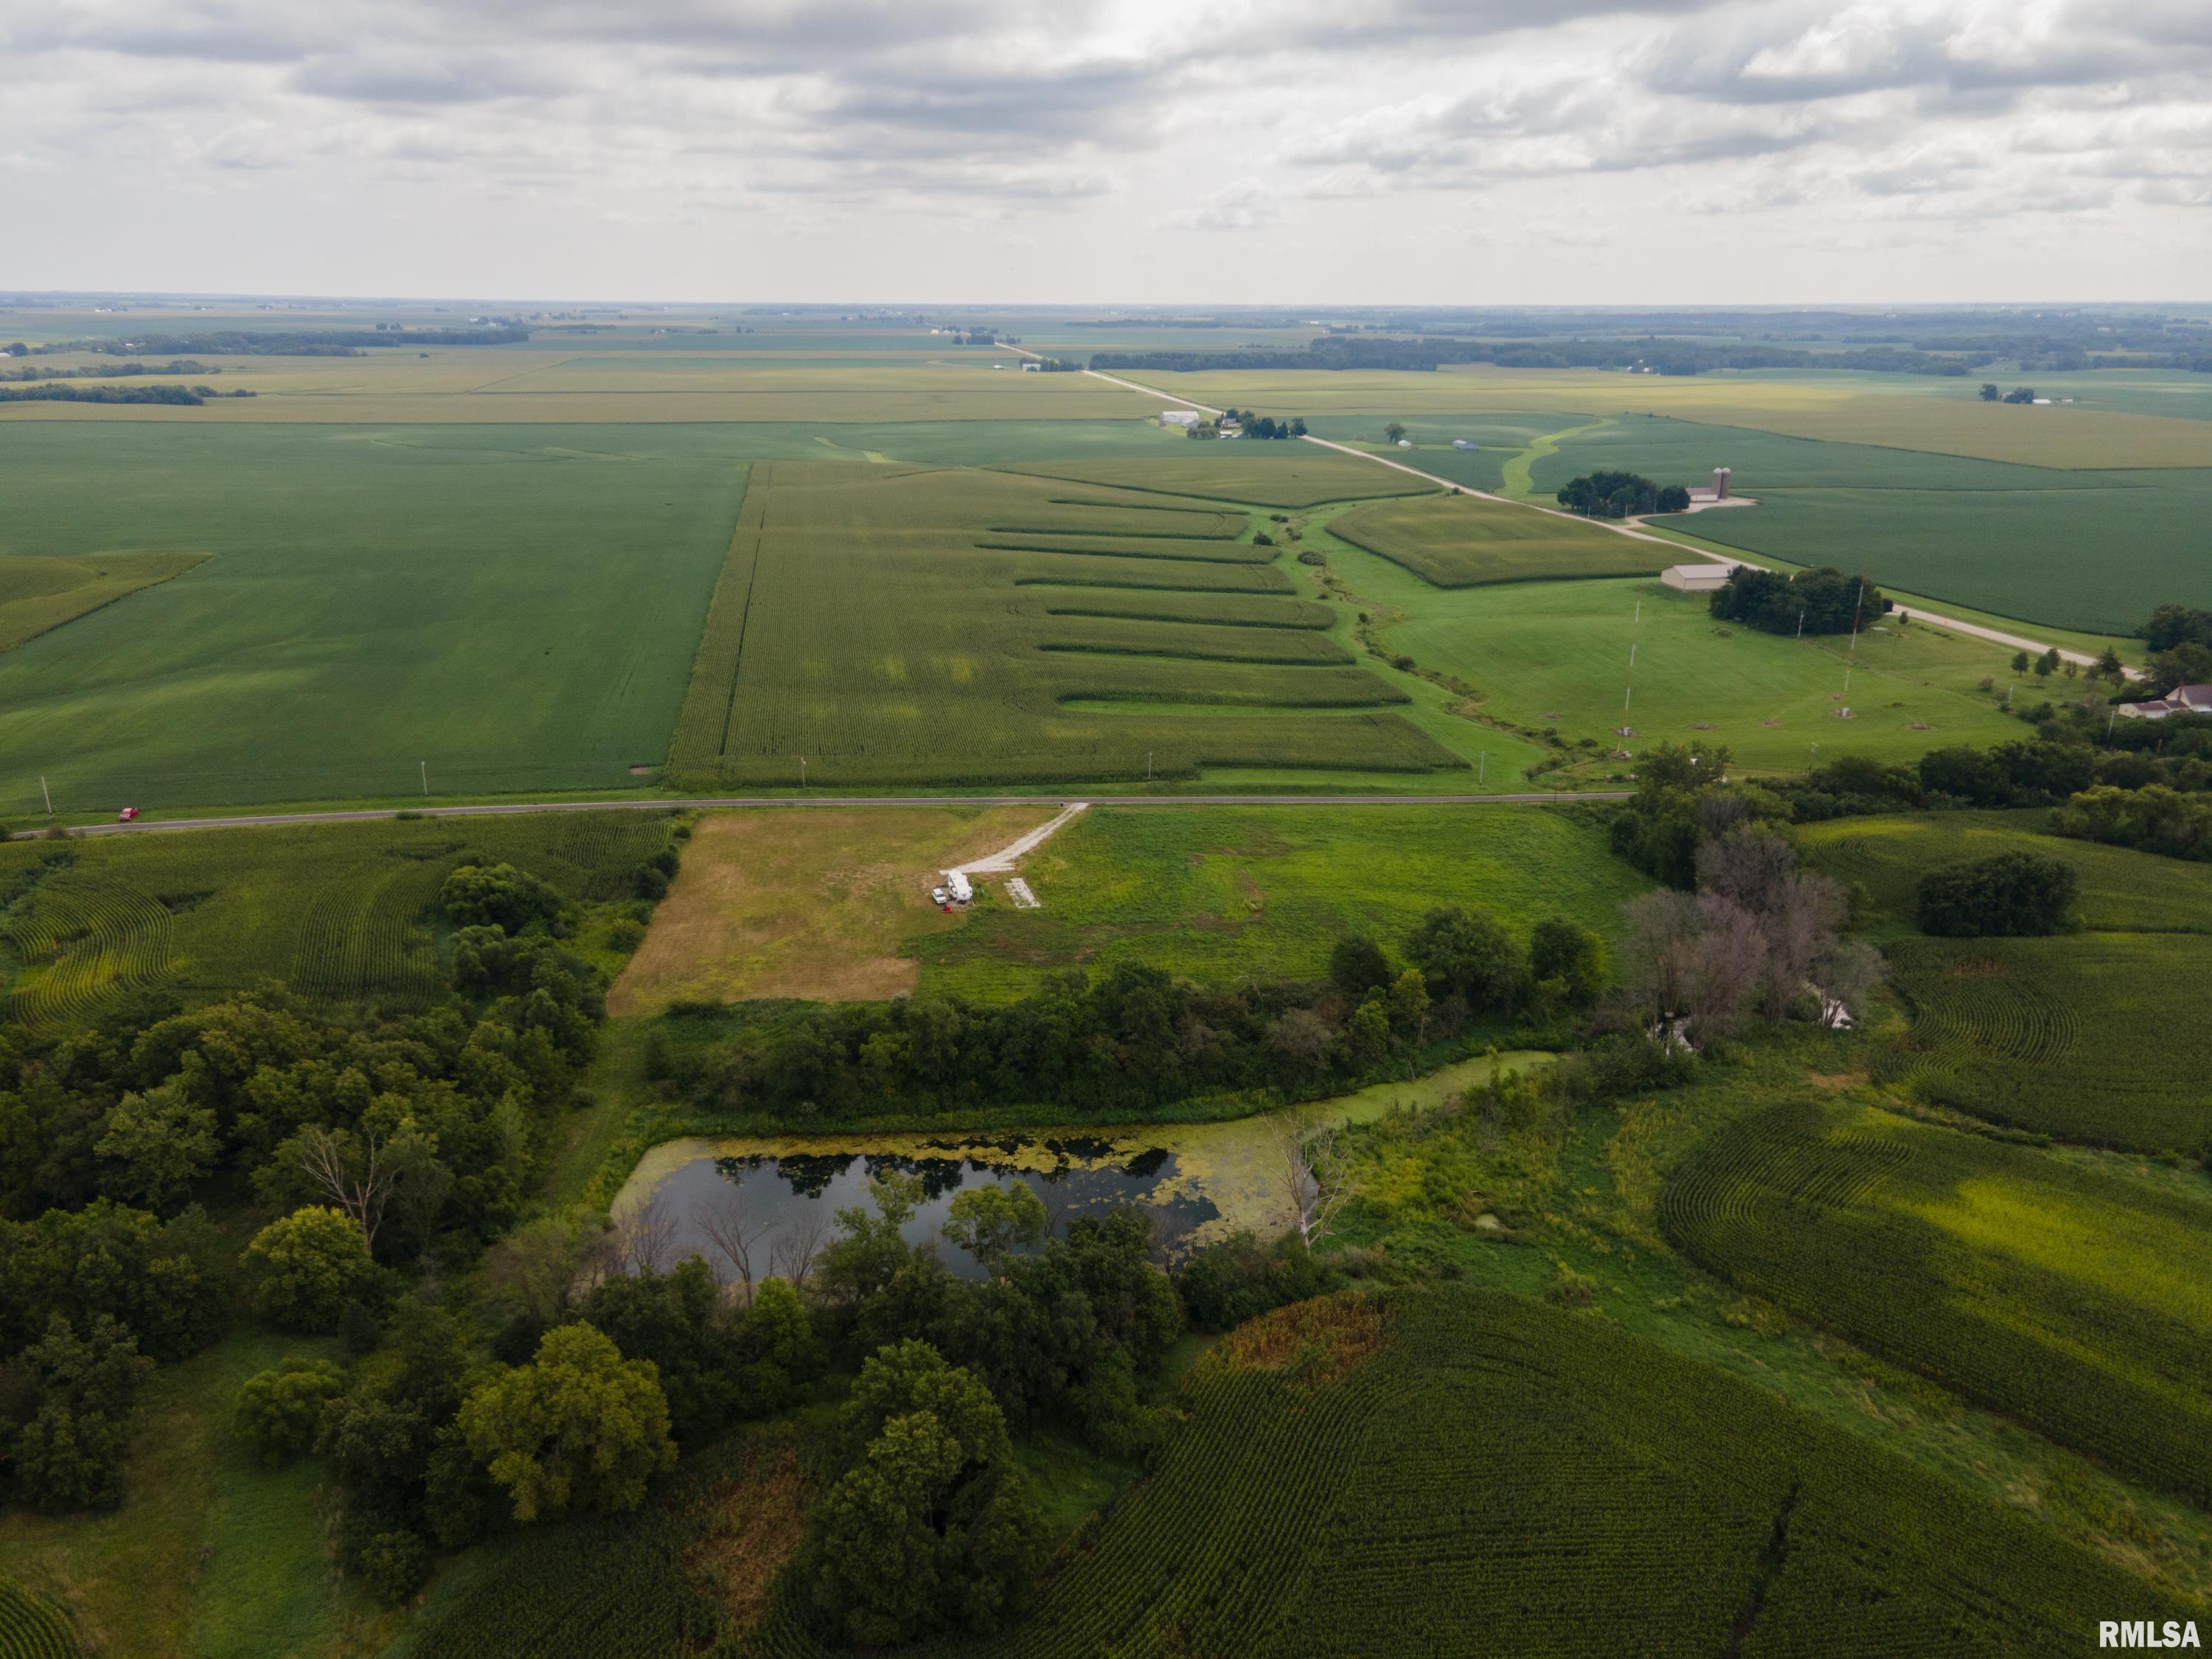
(815, 903)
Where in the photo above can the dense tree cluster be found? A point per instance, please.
(2009, 896)
(376, 1142)
(289, 342)
(1620, 494)
(1256, 425)
(2153, 818)
(1136, 1038)
(1820, 601)
(53, 391)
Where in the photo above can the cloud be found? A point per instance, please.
(1245, 206)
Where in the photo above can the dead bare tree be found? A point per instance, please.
(734, 1232)
(1317, 1176)
(359, 1184)
(648, 1235)
(793, 1254)
(1729, 960)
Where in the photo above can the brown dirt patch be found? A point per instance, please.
(1312, 1343)
(813, 902)
(1838, 1080)
(749, 1527)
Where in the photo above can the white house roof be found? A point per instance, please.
(1716, 572)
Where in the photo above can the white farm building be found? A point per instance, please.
(1184, 417)
(1696, 578)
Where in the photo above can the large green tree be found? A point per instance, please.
(309, 1266)
(579, 1428)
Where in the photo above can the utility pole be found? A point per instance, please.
(1148, 766)
(1482, 769)
(425, 765)
(802, 773)
(47, 793)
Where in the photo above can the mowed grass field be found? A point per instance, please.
(1228, 893)
(817, 903)
(515, 608)
(1556, 654)
(1462, 1472)
(339, 912)
(1462, 541)
(2073, 1300)
(1942, 417)
(887, 625)
(2088, 1036)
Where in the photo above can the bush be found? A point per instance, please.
(309, 1267)
(498, 895)
(1357, 965)
(1224, 1285)
(2010, 895)
(281, 1410)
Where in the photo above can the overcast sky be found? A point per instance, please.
(1416, 151)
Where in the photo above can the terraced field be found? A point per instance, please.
(2070, 1299)
(888, 625)
(1504, 1478)
(340, 912)
(1459, 541)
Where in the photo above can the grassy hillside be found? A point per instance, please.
(2073, 1300)
(337, 911)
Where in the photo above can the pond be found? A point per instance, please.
(1202, 1182)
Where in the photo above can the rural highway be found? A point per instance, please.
(157, 826)
(1996, 636)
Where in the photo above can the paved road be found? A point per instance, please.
(351, 815)
(1996, 636)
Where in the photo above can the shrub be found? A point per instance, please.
(2009, 895)
(280, 1410)
(498, 895)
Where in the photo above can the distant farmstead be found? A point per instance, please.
(2182, 700)
(1183, 417)
(1696, 578)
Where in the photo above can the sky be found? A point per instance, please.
(1090, 152)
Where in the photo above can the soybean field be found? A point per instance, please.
(1278, 473)
(2071, 1299)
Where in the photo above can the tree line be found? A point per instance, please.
(1620, 494)
(1820, 601)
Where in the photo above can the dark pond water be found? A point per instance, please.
(787, 1196)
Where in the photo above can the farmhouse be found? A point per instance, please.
(1185, 418)
(1465, 443)
(1696, 578)
(2182, 700)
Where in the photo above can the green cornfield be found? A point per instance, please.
(2073, 1301)
(29, 1629)
(1506, 1478)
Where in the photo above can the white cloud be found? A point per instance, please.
(802, 130)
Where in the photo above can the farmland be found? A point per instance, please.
(1459, 541)
(962, 663)
(1942, 417)
(1506, 1478)
(492, 608)
(2085, 1036)
(339, 912)
(2088, 1037)
(1555, 654)
(1265, 474)
(2071, 1299)
(819, 904)
(37, 593)
(1228, 893)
